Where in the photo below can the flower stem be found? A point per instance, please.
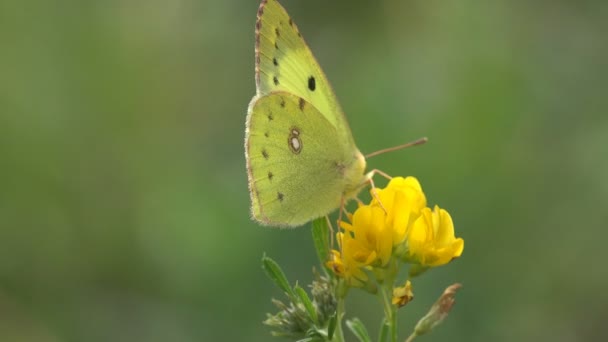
(411, 337)
(338, 333)
(389, 311)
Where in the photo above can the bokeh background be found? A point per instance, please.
(123, 193)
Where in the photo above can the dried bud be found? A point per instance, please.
(438, 312)
(403, 295)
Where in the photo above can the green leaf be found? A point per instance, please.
(275, 273)
(383, 336)
(416, 270)
(356, 326)
(332, 326)
(305, 300)
(320, 237)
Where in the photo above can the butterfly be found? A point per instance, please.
(302, 161)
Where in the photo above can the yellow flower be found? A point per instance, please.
(365, 242)
(403, 200)
(368, 241)
(431, 241)
(370, 234)
(349, 263)
(396, 224)
(345, 268)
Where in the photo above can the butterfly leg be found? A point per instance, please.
(380, 172)
(375, 195)
(342, 209)
(359, 202)
(370, 179)
(331, 232)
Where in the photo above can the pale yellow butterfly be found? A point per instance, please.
(302, 161)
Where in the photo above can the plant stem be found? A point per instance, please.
(411, 337)
(389, 311)
(338, 333)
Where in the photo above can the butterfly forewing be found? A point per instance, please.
(285, 63)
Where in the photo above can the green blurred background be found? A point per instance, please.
(123, 193)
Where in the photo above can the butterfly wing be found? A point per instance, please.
(298, 167)
(285, 63)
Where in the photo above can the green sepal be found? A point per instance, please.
(416, 270)
(275, 273)
(331, 328)
(383, 334)
(358, 329)
(320, 237)
(305, 300)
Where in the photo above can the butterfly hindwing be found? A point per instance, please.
(297, 166)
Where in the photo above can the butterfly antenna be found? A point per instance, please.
(395, 148)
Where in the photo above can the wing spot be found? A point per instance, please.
(266, 134)
(280, 196)
(277, 32)
(282, 102)
(275, 62)
(270, 175)
(258, 25)
(301, 103)
(270, 116)
(276, 46)
(290, 22)
(275, 80)
(312, 84)
(293, 141)
(265, 154)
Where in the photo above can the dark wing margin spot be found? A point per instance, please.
(280, 196)
(265, 154)
(270, 116)
(301, 103)
(282, 102)
(277, 32)
(312, 84)
(275, 80)
(275, 62)
(270, 175)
